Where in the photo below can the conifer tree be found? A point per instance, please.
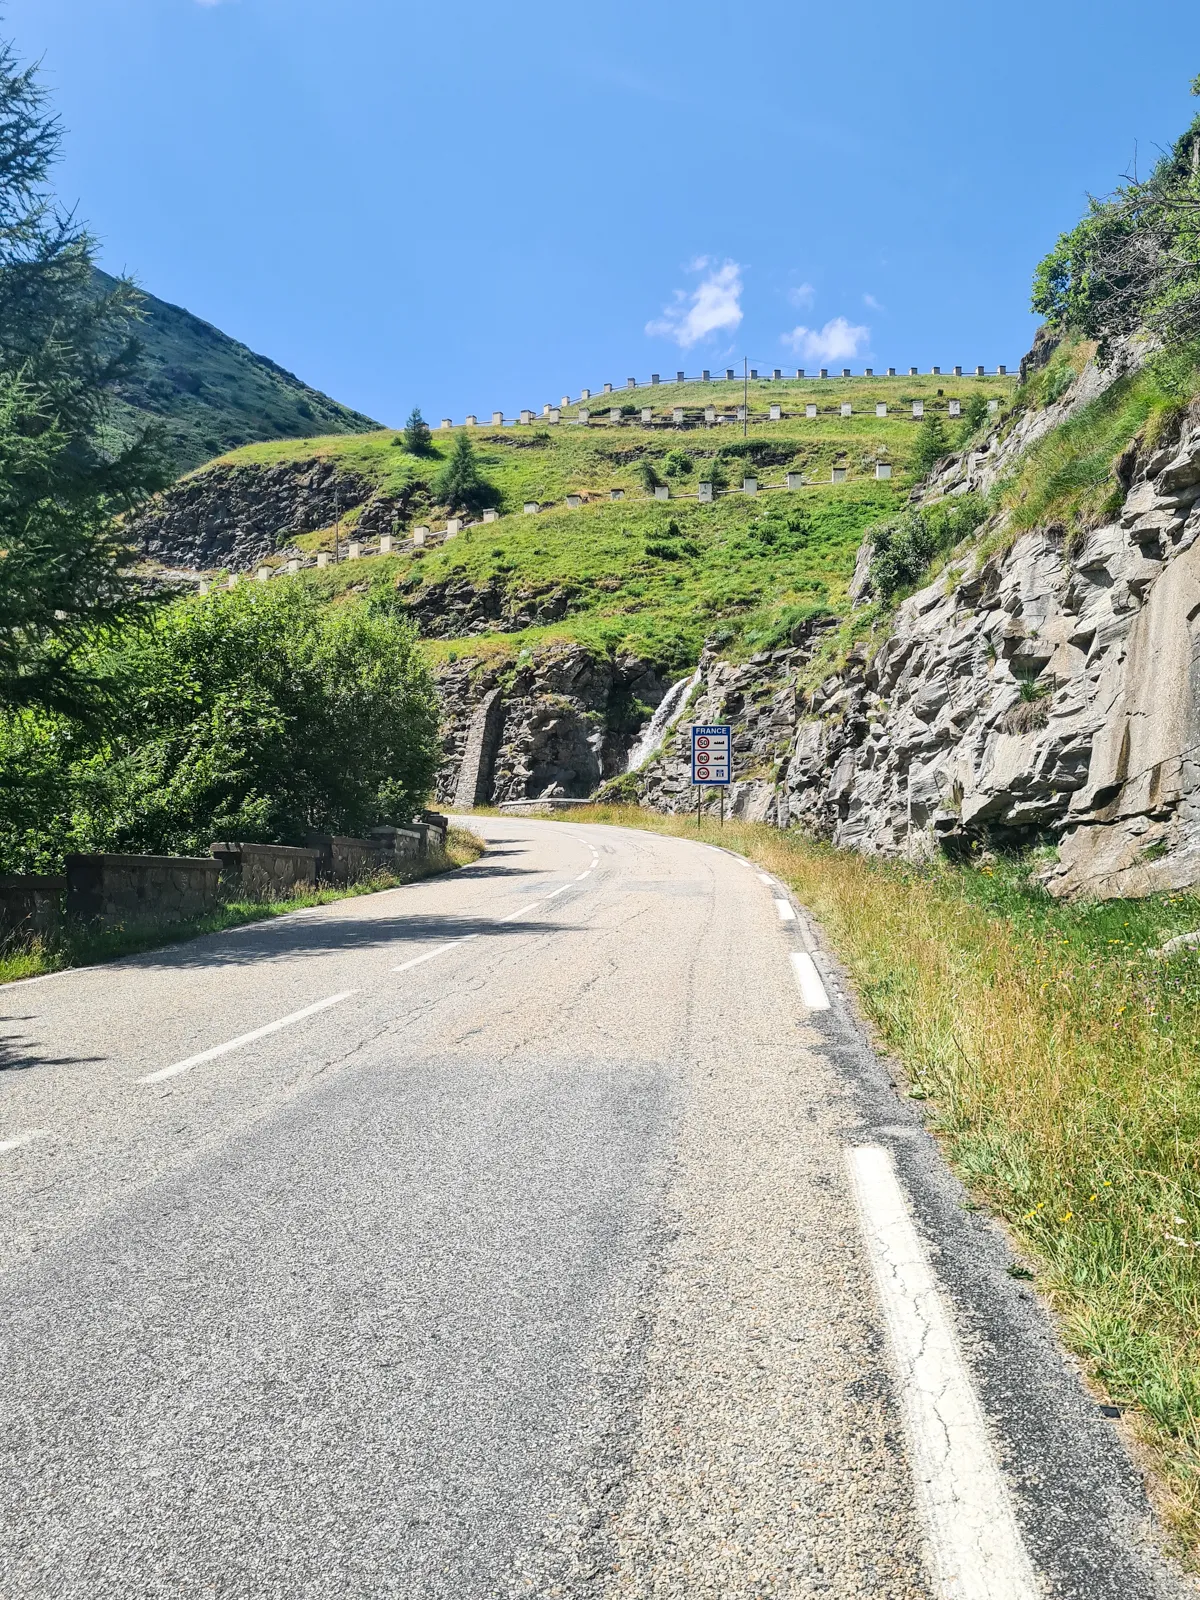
(64, 344)
(418, 440)
(460, 485)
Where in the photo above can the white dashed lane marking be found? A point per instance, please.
(18, 1140)
(974, 1544)
(786, 913)
(177, 1067)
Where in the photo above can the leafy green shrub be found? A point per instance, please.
(677, 464)
(253, 713)
(975, 414)
(904, 546)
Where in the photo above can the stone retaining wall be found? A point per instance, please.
(112, 891)
(266, 871)
(30, 905)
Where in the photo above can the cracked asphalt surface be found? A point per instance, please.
(530, 1270)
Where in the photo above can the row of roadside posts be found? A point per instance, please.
(711, 762)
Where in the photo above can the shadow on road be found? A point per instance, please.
(18, 1053)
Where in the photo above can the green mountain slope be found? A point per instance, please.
(650, 576)
(212, 394)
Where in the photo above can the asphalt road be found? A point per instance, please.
(532, 1231)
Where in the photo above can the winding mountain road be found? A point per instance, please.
(548, 1229)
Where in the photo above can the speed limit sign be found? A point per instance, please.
(710, 755)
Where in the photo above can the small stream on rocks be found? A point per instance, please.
(655, 731)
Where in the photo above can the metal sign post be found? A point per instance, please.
(712, 748)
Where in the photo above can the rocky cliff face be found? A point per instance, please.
(1051, 692)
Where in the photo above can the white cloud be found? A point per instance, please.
(870, 301)
(802, 295)
(838, 340)
(714, 304)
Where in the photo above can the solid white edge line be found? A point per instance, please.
(812, 990)
(764, 877)
(177, 1067)
(786, 913)
(438, 950)
(18, 1140)
(974, 1546)
(513, 915)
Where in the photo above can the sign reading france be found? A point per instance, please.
(710, 754)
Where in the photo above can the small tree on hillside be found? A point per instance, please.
(418, 440)
(932, 444)
(648, 473)
(460, 485)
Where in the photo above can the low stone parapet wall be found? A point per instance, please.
(266, 871)
(30, 905)
(117, 891)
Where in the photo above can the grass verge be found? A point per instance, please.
(77, 948)
(1058, 1054)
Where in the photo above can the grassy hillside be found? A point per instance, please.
(212, 394)
(651, 576)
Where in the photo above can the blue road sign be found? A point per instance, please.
(711, 755)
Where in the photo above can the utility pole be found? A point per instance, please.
(745, 394)
(337, 526)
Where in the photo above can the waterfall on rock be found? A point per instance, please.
(655, 730)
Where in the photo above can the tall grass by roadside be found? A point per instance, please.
(76, 947)
(1059, 1056)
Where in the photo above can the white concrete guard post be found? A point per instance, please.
(880, 409)
(958, 372)
(616, 494)
(883, 469)
(647, 415)
(472, 421)
(912, 372)
(704, 376)
(1002, 371)
(749, 485)
(741, 413)
(868, 372)
(608, 388)
(353, 551)
(795, 480)
(585, 394)
(845, 372)
(419, 537)
(654, 377)
(777, 373)
(554, 414)
(810, 411)
(565, 401)
(704, 491)
(231, 581)
(979, 372)
(728, 373)
(447, 423)
(323, 558)
(935, 372)
(582, 415)
(614, 414)
(918, 408)
(631, 383)
(824, 372)
(526, 418)
(532, 508)
(294, 565)
(263, 574)
(385, 544)
(679, 377)
(955, 408)
(677, 415)
(490, 516)
(710, 415)
(776, 411)
(574, 501)
(546, 409)
(799, 372)
(847, 409)
(662, 492)
(837, 475)
(497, 419)
(891, 372)
(993, 405)
(453, 526)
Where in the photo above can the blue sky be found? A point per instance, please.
(475, 206)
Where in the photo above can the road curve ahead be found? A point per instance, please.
(543, 1230)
